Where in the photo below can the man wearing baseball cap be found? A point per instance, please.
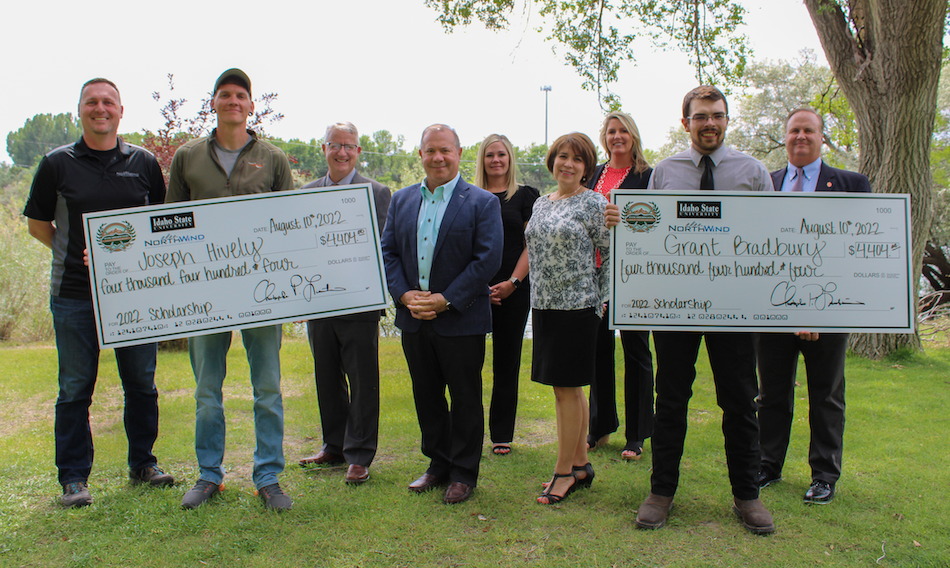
(228, 162)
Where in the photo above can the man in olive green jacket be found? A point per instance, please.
(232, 161)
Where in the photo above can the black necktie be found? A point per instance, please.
(707, 180)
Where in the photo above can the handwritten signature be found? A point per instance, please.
(817, 296)
(307, 286)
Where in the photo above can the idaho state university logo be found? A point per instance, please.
(115, 237)
(640, 217)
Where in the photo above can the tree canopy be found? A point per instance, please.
(597, 36)
(41, 134)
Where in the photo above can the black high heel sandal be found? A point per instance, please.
(553, 499)
(587, 481)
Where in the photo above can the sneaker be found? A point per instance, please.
(275, 498)
(153, 475)
(76, 494)
(768, 477)
(820, 493)
(201, 492)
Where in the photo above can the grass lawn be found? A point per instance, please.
(892, 506)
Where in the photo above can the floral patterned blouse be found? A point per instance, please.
(562, 239)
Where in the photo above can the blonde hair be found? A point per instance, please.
(640, 164)
(481, 179)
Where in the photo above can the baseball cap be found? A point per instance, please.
(233, 77)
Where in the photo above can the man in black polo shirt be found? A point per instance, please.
(97, 173)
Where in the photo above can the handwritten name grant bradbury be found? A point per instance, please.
(740, 261)
(178, 270)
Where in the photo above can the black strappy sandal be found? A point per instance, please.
(553, 499)
(587, 481)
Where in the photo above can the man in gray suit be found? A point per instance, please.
(347, 347)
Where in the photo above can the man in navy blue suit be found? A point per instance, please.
(777, 353)
(442, 243)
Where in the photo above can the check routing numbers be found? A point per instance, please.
(204, 266)
(761, 261)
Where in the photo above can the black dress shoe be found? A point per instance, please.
(820, 493)
(457, 492)
(426, 482)
(768, 477)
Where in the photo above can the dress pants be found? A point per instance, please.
(732, 360)
(508, 323)
(637, 385)
(347, 349)
(451, 437)
(603, 390)
(777, 355)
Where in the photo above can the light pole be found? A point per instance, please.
(546, 89)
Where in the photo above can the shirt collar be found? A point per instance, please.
(443, 192)
(811, 170)
(717, 155)
(347, 179)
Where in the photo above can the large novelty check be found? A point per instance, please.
(743, 261)
(200, 267)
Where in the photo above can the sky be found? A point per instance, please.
(381, 64)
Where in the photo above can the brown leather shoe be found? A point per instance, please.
(755, 517)
(457, 492)
(356, 474)
(426, 482)
(653, 512)
(321, 458)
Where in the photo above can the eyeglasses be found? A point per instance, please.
(336, 147)
(716, 117)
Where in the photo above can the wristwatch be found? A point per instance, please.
(515, 281)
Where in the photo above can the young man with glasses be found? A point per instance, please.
(710, 165)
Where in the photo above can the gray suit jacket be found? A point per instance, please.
(382, 196)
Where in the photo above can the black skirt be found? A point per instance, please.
(565, 343)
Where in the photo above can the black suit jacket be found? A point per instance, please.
(830, 179)
(632, 181)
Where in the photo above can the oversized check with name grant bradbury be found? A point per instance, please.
(192, 268)
(770, 261)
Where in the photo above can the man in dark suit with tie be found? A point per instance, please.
(777, 353)
(441, 245)
(347, 347)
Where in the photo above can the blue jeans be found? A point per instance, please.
(209, 362)
(78, 352)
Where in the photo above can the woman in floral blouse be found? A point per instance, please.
(566, 231)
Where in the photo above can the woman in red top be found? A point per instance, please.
(626, 168)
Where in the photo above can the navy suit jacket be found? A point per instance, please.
(467, 254)
(829, 179)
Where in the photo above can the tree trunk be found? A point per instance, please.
(887, 62)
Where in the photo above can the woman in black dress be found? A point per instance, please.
(495, 170)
